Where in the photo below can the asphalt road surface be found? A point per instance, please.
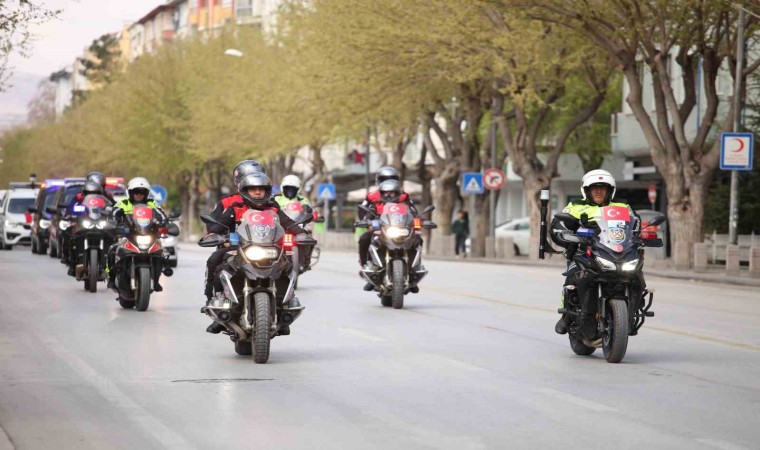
(472, 362)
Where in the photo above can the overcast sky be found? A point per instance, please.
(60, 41)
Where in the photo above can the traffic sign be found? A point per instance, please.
(736, 151)
(472, 183)
(494, 179)
(326, 191)
(158, 193)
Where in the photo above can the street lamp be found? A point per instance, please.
(234, 52)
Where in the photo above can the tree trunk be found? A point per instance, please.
(686, 220)
(533, 188)
(192, 204)
(445, 196)
(482, 222)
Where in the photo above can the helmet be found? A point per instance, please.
(137, 185)
(390, 191)
(290, 185)
(598, 177)
(92, 188)
(256, 179)
(97, 177)
(386, 173)
(244, 168)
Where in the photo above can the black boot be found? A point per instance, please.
(157, 287)
(414, 289)
(368, 287)
(215, 328)
(71, 271)
(561, 327)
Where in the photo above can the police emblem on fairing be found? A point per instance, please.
(261, 231)
(617, 235)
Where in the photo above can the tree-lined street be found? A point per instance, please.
(458, 368)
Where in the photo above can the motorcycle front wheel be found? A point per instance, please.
(262, 321)
(143, 288)
(94, 270)
(615, 337)
(398, 283)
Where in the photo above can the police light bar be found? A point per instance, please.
(54, 182)
(73, 180)
(114, 181)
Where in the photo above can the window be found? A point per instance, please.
(20, 205)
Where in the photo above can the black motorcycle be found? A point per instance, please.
(261, 251)
(611, 261)
(139, 258)
(395, 251)
(309, 255)
(92, 235)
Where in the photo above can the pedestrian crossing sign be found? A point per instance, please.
(472, 183)
(326, 191)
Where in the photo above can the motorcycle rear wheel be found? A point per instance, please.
(615, 338)
(94, 270)
(143, 288)
(579, 347)
(262, 321)
(398, 283)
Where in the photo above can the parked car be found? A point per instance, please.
(40, 217)
(115, 187)
(519, 231)
(63, 197)
(15, 227)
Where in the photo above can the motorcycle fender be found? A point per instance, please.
(229, 291)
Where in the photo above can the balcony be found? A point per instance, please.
(247, 15)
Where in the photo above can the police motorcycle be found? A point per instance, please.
(310, 256)
(139, 257)
(395, 251)
(261, 251)
(92, 235)
(611, 262)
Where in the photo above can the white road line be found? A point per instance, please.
(5, 441)
(722, 445)
(149, 423)
(598, 407)
(361, 334)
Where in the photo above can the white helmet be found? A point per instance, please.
(290, 186)
(599, 177)
(138, 184)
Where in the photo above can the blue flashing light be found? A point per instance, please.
(585, 232)
(54, 183)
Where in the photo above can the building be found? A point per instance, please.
(211, 15)
(181, 18)
(152, 30)
(62, 82)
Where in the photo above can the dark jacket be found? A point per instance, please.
(230, 210)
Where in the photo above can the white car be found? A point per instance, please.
(14, 209)
(519, 231)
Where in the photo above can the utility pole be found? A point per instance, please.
(492, 194)
(366, 162)
(733, 215)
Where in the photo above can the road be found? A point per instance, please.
(472, 362)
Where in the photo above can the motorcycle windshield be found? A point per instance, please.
(260, 227)
(293, 210)
(396, 214)
(94, 205)
(616, 228)
(142, 217)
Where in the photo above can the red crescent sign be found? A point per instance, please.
(741, 145)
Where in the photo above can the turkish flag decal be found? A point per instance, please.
(616, 213)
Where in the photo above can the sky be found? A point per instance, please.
(60, 41)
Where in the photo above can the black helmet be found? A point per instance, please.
(386, 173)
(390, 191)
(246, 167)
(256, 179)
(97, 177)
(92, 188)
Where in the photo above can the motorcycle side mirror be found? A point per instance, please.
(365, 209)
(428, 208)
(32, 209)
(173, 229)
(205, 218)
(653, 242)
(319, 220)
(656, 221)
(51, 209)
(569, 221)
(212, 240)
(122, 230)
(428, 225)
(305, 219)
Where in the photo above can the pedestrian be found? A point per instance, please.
(461, 231)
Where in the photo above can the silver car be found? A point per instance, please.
(15, 227)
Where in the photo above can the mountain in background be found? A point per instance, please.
(13, 102)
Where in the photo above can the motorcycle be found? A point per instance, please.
(310, 256)
(92, 235)
(139, 257)
(611, 264)
(261, 251)
(395, 251)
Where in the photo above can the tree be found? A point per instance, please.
(652, 37)
(101, 65)
(41, 108)
(16, 23)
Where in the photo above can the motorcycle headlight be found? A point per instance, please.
(606, 265)
(44, 224)
(396, 232)
(87, 223)
(63, 224)
(256, 253)
(144, 241)
(11, 223)
(630, 265)
(102, 224)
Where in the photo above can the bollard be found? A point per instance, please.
(701, 251)
(754, 261)
(491, 250)
(732, 259)
(506, 248)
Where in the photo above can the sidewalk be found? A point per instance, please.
(658, 269)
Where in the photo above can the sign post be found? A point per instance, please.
(736, 153)
(652, 194)
(326, 192)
